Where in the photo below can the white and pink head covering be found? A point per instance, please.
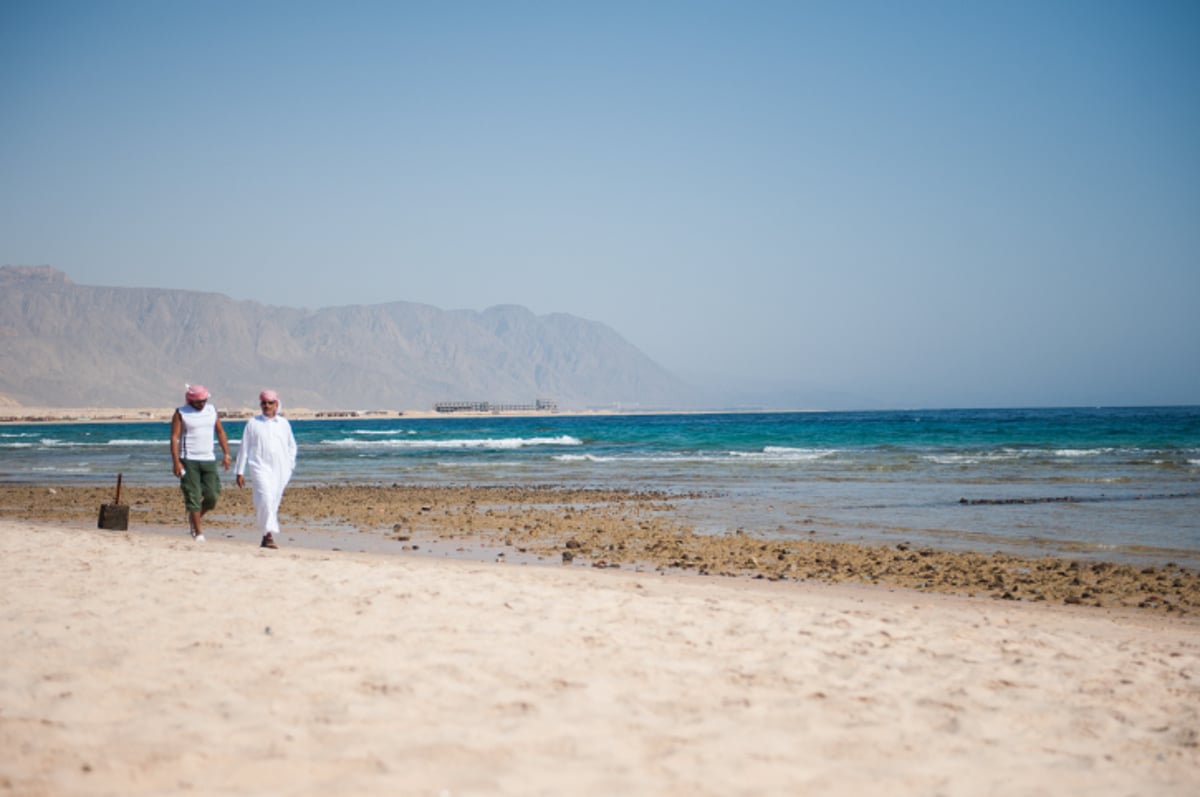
(197, 393)
(268, 395)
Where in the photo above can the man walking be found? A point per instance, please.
(192, 430)
(268, 449)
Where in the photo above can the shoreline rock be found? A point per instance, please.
(626, 529)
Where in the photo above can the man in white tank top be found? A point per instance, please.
(192, 430)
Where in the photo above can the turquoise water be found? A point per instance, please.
(1113, 483)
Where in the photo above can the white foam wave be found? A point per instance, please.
(51, 442)
(681, 459)
(787, 454)
(765, 456)
(1009, 454)
(384, 432)
(951, 459)
(497, 443)
(584, 458)
(466, 465)
(972, 459)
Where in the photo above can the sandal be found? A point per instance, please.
(268, 542)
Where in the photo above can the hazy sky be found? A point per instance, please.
(823, 203)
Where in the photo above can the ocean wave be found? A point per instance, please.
(952, 459)
(786, 454)
(1012, 454)
(384, 432)
(488, 466)
(672, 459)
(52, 442)
(975, 458)
(500, 443)
(118, 442)
(770, 455)
(1081, 452)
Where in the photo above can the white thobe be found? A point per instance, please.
(268, 451)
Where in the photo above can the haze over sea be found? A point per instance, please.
(1121, 484)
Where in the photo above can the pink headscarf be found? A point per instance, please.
(197, 393)
(268, 395)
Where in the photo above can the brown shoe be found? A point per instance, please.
(269, 542)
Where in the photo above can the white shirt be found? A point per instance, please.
(197, 441)
(268, 448)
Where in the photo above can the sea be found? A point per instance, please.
(1112, 484)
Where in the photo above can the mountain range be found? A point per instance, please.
(69, 345)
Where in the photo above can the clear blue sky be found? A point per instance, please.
(833, 204)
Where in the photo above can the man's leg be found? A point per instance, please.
(210, 491)
(193, 496)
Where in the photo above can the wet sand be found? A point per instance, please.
(613, 529)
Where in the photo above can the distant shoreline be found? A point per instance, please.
(31, 415)
(23, 415)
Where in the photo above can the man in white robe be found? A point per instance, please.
(268, 450)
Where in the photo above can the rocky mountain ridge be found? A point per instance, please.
(69, 345)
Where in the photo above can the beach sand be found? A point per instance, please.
(140, 663)
(613, 529)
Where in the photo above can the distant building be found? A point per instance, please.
(461, 406)
(540, 405)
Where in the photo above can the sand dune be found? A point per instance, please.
(136, 663)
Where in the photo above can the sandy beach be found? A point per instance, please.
(142, 663)
(615, 529)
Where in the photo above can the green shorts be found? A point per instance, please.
(201, 485)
